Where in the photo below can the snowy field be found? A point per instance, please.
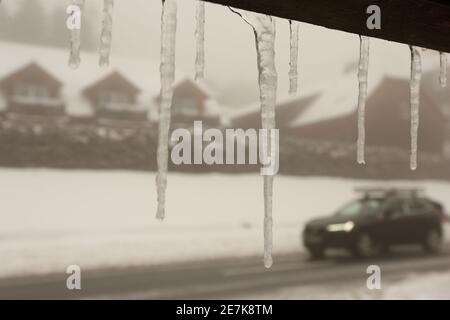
(431, 286)
(51, 219)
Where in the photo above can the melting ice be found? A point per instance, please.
(416, 75)
(363, 71)
(293, 64)
(167, 73)
(264, 30)
(75, 36)
(200, 40)
(106, 36)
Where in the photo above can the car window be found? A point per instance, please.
(413, 206)
(360, 206)
(422, 205)
(396, 208)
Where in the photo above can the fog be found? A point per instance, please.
(230, 50)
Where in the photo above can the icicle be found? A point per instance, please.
(443, 73)
(416, 74)
(167, 70)
(75, 40)
(363, 71)
(293, 64)
(106, 36)
(264, 30)
(200, 40)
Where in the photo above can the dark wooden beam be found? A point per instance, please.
(424, 23)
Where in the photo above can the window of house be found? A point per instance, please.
(186, 105)
(31, 90)
(107, 98)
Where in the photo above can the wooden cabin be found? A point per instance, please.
(192, 102)
(32, 95)
(114, 100)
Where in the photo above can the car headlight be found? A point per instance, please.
(347, 227)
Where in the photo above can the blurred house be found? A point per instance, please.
(442, 98)
(33, 97)
(37, 85)
(387, 111)
(114, 100)
(192, 101)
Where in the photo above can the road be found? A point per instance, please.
(226, 278)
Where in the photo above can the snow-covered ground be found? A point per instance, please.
(52, 218)
(431, 286)
(424, 287)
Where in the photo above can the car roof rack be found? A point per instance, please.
(373, 192)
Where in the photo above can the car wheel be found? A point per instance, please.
(365, 246)
(316, 253)
(433, 241)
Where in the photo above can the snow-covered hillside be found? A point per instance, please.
(51, 219)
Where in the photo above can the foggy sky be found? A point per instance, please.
(230, 49)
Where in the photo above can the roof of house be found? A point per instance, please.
(201, 86)
(387, 120)
(339, 93)
(31, 67)
(115, 79)
(335, 81)
(287, 110)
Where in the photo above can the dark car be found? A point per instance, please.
(376, 221)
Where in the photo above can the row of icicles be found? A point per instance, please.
(414, 87)
(105, 37)
(264, 30)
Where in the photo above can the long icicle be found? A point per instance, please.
(200, 40)
(363, 71)
(167, 70)
(106, 36)
(416, 75)
(293, 63)
(75, 39)
(264, 30)
(265, 43)
(443, 72)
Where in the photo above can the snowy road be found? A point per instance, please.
(292, 277)
(104, 221)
